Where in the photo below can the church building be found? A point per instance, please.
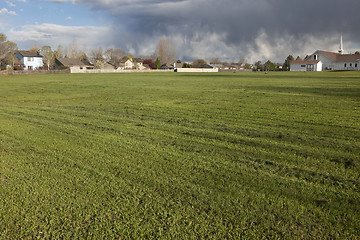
(323, 60)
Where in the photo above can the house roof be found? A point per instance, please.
(108, 66)
(138, 60)
(305, 62)
(70, 62)
(17, 62)
(25, 53)
(167, 66)
(178, 65)
(337, 57)
(348, 58)
(124, 59)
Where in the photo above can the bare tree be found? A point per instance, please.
(199, 63)
(48, 56)
(114, 56)
(97, 55)
(215, 61)
(73, 51)
(58, 53)
(166, 51)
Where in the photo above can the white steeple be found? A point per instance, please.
(341, 49)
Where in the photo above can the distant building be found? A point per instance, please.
(128, 63)
(72, 63)
(31, 60)
(306, 66)
(323, 60)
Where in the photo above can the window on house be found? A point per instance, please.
(303, 65)
(345, 65)
(30, 59)
(315, 57)
(356, 65)
(310, 67)
(350, 64)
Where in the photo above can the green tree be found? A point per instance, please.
(357, 52)
(10, 57)
(247, 66)
(270, 66)
(286, 65)
(7, 50)
(259, 66)
(157, 63)
(186, 65)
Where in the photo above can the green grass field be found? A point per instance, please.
(180, 156)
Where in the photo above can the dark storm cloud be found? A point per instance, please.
(238, 23)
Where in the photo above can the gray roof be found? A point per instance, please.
(25, 53)
(70, 62)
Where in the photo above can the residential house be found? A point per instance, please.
(127, 63)
(72, 63)
(167, 66)
(178, 65)
(138, 63)
(32, 60)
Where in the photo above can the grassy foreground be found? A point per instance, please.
(180, 156)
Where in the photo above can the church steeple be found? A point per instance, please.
(341, 49)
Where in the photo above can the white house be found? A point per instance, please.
(328, 61)
(336, 61)
(306, 66)
(127, 63)
(31, 59)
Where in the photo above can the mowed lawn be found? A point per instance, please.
(180, 156)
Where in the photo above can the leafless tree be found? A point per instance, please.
(215, 61)
(199, 63)
(114, 56)
(48, 56)
(73, 51)
(97, 55)
(58, 53)
(166, 51)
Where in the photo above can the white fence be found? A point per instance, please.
(84, 70)
(197, 70)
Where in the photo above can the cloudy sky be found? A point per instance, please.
(228, 29)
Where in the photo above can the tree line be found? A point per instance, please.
(165, 53)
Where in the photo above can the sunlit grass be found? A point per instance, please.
(180, 156)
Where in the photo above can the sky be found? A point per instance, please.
(230, 30)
